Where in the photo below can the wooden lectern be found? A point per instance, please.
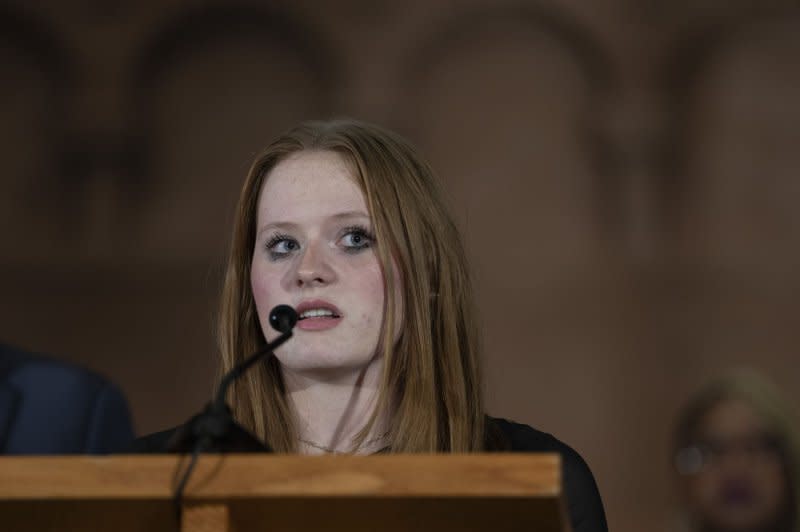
(237, 492)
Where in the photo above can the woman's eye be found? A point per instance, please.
(281, 245)
(356, 239)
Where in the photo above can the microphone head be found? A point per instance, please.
(283, 318)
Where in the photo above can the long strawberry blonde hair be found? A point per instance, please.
(431, 376)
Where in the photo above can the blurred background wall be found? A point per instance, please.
(626, 174)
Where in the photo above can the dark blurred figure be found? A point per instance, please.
(50, 407)
(738, 453)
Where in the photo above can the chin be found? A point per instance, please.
(323, 364)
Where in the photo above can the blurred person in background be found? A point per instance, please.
(52, 407)
(737, 450)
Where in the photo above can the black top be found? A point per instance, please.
(584, 505)
(583, 499)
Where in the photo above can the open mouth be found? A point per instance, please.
(317, 313)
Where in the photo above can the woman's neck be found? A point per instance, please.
(332, 408)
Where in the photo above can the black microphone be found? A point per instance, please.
(213, 429)
(283, 318)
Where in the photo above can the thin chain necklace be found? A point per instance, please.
(334, 451)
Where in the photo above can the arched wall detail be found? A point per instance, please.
(35, 190)
(577, 40)
(462, 39)
(732, 143)
(242, 45)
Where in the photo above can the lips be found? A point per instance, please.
(317, 315)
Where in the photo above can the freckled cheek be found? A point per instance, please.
(370, 287)
(266, 288)
(367, 287)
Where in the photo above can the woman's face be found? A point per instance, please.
(314, 250)
(742, 486)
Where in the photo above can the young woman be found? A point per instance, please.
(738, 452)
(345, 222)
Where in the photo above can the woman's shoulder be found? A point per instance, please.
(505, 435)
(583, 498)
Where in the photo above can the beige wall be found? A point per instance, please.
(626, 175)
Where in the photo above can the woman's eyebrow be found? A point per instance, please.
(290, 226)
(287, 226)
(350, 214)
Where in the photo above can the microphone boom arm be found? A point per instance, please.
(239, 369)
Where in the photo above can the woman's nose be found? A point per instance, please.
(313, 267)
